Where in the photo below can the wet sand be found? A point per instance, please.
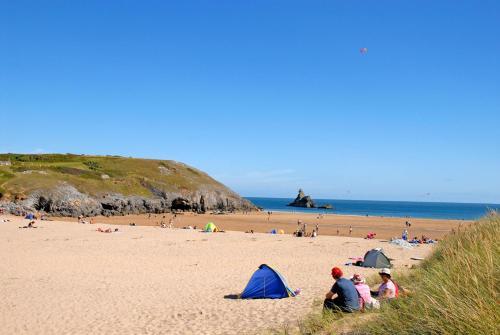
(384, 227)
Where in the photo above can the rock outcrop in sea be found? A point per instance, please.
(302, 200)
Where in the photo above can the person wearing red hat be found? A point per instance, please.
(343, 296)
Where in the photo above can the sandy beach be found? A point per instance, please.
(384, 227)
(67, 278)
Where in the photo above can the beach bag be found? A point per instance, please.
(396, 294)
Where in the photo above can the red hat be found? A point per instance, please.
(336, 272)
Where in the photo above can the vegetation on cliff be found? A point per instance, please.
(22, 175)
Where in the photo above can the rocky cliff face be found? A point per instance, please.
(151, 187)
(302, 200)
(66, 200)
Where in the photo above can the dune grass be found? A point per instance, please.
(454, 291)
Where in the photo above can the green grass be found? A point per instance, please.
(454, 291)
(127, 176)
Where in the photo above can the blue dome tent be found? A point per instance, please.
(267, 283)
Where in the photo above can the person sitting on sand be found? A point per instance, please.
(370, 236)
(365, 298)
(344, 291)
(386, 290)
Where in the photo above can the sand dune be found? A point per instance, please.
(66, 278)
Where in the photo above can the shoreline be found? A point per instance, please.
(365, 215)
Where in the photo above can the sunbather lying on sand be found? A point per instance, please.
(108, 230)
(31, 224)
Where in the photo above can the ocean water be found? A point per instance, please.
(432, 210)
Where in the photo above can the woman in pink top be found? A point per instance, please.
(365, 298)
(387, 289)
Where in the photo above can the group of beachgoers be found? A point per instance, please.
(301, 230)
(405, 236)
(351, 295)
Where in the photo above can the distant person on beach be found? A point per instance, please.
(350, 230)
(404, 236)
(338, 231)
(317, 228)
(343, 296)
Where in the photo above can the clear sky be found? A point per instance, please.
(267, 96)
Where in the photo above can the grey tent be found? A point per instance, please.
(375, 258)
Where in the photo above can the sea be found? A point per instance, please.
(404, 209)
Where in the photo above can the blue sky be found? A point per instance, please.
(266, 96)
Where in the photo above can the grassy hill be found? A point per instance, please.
(21, 175)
